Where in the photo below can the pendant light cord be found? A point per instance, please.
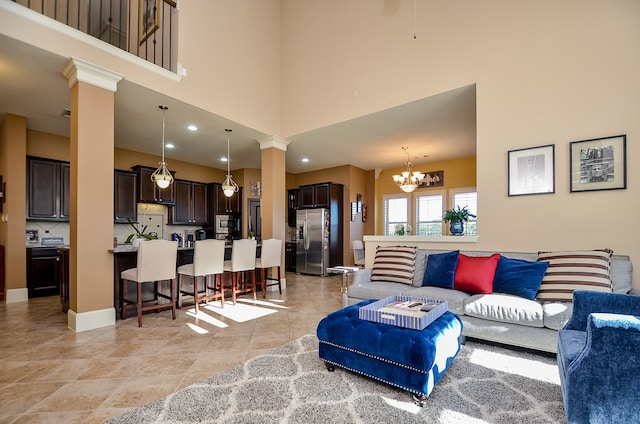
(228, 153)
(163, 108)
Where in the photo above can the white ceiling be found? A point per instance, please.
(436, 128)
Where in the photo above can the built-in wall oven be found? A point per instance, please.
(226, 224)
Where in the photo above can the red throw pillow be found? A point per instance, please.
(474, 274)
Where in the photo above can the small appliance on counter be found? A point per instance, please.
(188, 238)
(201, 234)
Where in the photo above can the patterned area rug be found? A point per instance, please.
(485, 384)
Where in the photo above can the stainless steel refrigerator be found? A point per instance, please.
(312, 245)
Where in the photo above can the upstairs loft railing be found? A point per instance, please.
(145, 28)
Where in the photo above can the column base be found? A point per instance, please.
(17, 295)
(85, 321)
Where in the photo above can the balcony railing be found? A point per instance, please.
(145, 28)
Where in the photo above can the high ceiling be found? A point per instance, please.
(436, 128)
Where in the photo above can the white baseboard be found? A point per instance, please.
(17, 295)
(85, 321)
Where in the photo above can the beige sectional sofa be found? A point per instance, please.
(495, 317)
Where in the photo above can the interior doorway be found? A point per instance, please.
(255, 220)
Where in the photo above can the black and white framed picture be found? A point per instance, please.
(599, 164)
(532, 170)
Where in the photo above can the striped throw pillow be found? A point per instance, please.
(394, 263)
(574, 270)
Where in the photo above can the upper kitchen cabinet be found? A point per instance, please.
(48, 189)
(223, 204)
(191, 203)
(148, 191)
(125, 196)
(316, 196)
(294, 204)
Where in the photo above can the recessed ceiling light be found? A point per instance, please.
(169, 145)
(305, 160)
(192, 127)
(223, 159)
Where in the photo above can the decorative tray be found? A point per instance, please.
(404, 311)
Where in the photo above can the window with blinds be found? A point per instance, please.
(396, 211)
(429, 215)
(469, 199)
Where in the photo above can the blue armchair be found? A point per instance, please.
(599, 359)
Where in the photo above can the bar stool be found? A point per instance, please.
(156, 262)
(270, 257)
(208, 261)
(243, 259)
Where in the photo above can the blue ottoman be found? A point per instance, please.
(413, 360)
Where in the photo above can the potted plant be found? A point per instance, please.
(457, 216)
(139, 235)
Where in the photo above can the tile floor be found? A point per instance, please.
(49, 374)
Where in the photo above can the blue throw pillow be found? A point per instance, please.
(441, 269)
(519, 277)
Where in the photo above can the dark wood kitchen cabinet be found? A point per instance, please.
(223, 204)
(191, 203)
(64, 278)
(316, 196)
(293, 205)
(290, 256)
(148, 191)
(48, 189)
(125, 196)
(43, 271)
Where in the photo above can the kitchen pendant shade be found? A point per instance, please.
(161, 176)
(229, 186)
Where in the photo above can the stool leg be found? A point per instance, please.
(123, 295)
(195, 293)
(279, 280)
(173, 297)
(139, 304)
(263, 281)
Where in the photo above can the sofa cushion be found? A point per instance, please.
(556, 314)
(474, 274)
(505, 308)
(519, 277)
(455, 299)
(394, 263)
(574, 270)
(441, 269)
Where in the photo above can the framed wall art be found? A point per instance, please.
(532, 170)
(598, 164)
(149, 18)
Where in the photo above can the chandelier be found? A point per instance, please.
(162, 176)
(229, 186)
(407, 180)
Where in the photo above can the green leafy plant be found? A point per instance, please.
(139, 233)
(457, 214)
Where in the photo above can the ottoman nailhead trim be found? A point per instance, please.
(373, 376)
(375, 357)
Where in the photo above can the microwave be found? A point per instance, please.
(225, 224)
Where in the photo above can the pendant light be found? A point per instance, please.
(408, 181)
(229, 186)
(162, 176)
